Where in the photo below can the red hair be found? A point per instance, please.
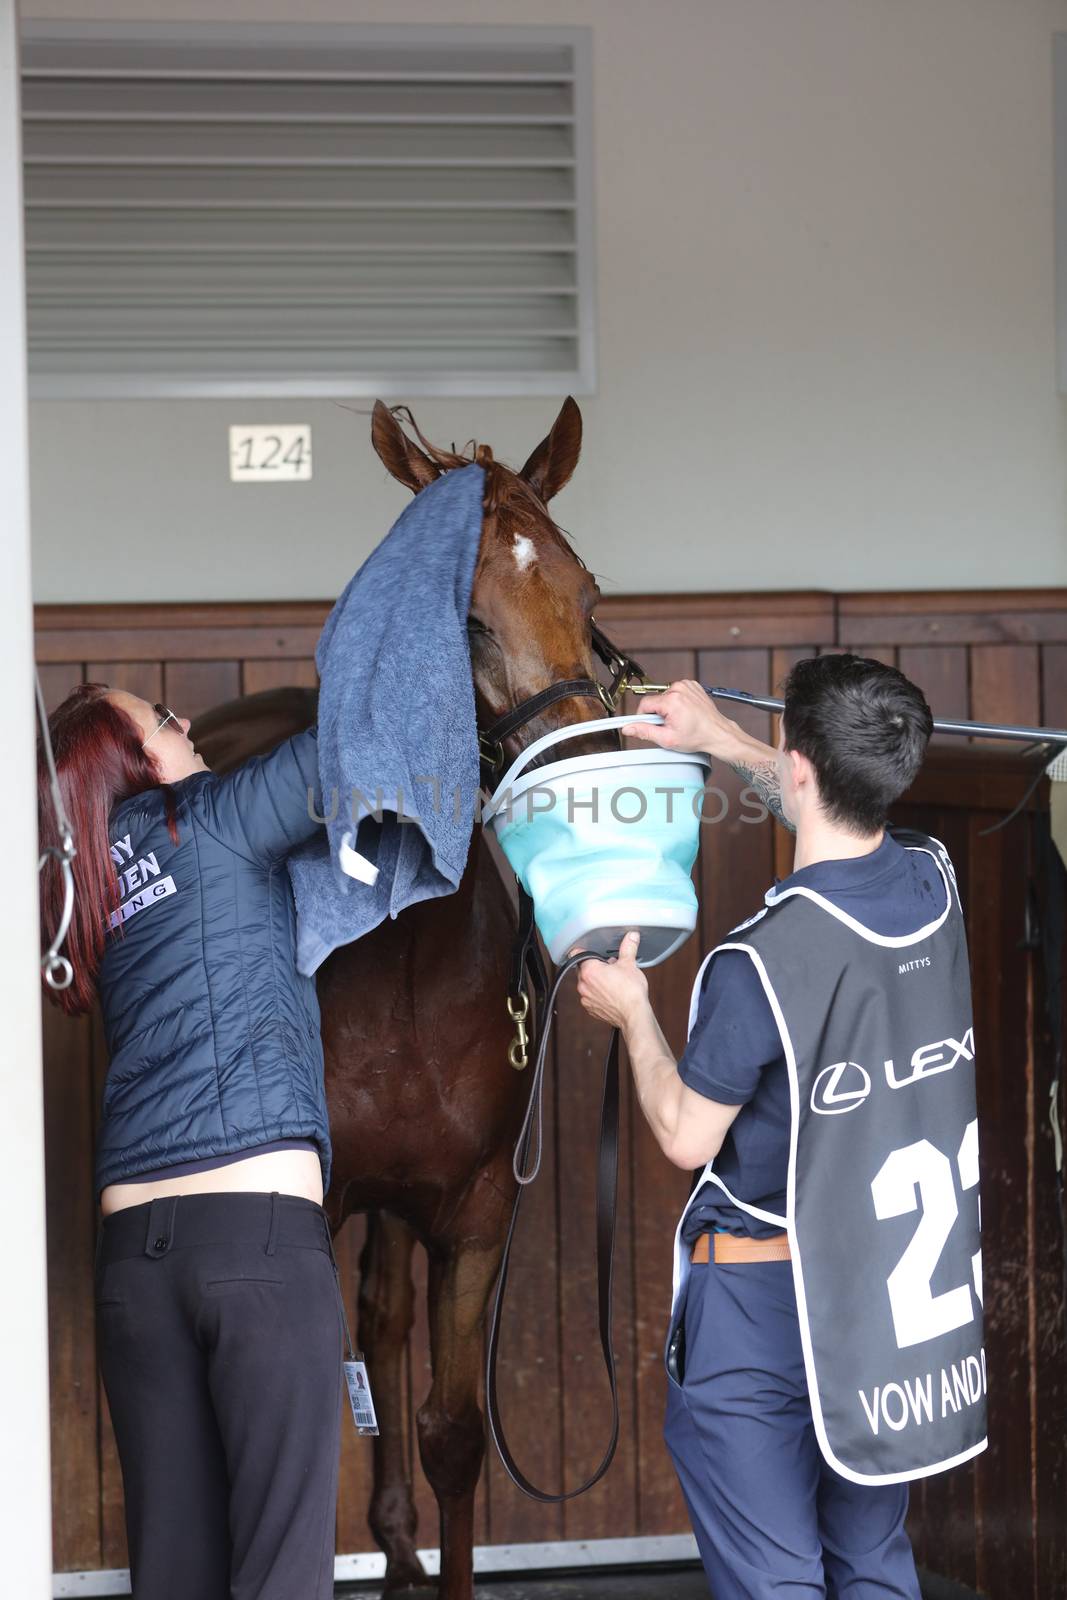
(100, 761)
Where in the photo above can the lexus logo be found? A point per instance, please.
(840, 1088)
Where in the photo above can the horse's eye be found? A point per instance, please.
(474, 626)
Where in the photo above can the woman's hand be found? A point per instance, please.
(614, 991)
(691, 721)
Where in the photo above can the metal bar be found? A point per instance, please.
(981, 730)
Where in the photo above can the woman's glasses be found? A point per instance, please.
(164, 716)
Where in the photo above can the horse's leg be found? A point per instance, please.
(451, 1430)
(386, 1309)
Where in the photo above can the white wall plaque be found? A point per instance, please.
(265, 452)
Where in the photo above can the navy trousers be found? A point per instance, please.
(772, 1520)
(219, 1338)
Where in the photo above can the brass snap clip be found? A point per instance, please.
(518, 1011)
(490, 752)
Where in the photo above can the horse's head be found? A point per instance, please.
(533, 598)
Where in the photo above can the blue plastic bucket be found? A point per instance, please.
(604, 843)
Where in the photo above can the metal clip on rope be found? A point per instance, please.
(519, 1011)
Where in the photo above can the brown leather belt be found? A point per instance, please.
(733, 1247)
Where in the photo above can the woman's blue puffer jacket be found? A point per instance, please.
(213, 1035)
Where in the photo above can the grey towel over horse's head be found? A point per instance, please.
(397, 734)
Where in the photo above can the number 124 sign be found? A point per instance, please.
(270, 453)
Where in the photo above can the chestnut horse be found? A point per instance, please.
(424, 1106)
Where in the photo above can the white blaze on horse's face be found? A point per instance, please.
(525, 552)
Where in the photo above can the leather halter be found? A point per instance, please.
(625, 672)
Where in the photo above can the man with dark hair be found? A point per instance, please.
(864, 727)
(825, 1346)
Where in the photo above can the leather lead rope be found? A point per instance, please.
(625, 671)
(606, 1196)
(526, 955)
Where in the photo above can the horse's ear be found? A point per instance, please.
(556, 457)
(405, 460)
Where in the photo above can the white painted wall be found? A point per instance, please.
(826, 331)
(25, 1493)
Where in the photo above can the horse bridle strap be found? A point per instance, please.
(624, 670)
(606, 1194)
(494, 736)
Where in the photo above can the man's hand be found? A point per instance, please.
(688, 1128)
(691, 721)
(615, 991)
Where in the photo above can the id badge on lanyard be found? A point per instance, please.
(357, 1380)
(359, 1395)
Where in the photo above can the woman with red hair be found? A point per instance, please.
(218, 1316)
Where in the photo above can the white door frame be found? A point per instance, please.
(25, 1497)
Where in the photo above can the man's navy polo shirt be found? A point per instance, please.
(734, 1054)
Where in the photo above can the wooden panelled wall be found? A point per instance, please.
(995, 656)
(999, 1524)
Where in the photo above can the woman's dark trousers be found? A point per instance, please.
(219, 1338)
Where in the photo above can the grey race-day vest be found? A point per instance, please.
(882, 1195)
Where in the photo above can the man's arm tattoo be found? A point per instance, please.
(763, 777)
